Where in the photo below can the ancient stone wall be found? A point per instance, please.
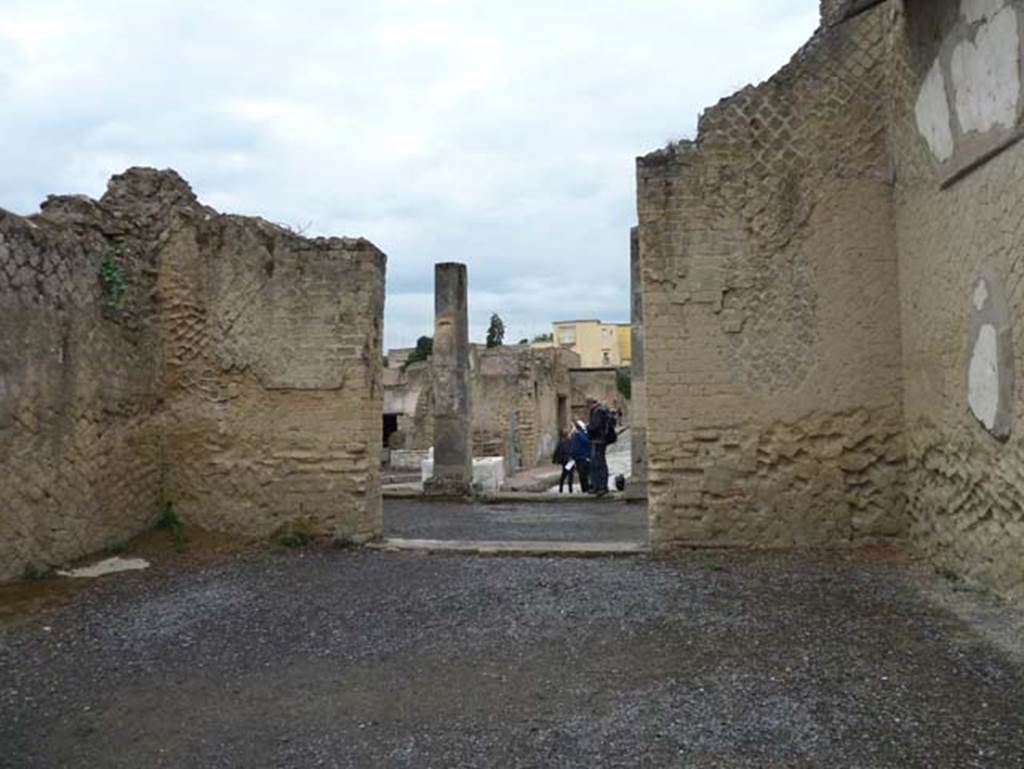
(155, 351)
(773, 359)
(601, 384)
(272, 364)
(956, 114)
(80, 433)
(528, 384)
(409, 394)
(515, 394)
(792, 396)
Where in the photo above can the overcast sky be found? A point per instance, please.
(500, 134)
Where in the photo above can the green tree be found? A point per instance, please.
(424, 349)
(544, 338)
(495, 331)
(624, 382)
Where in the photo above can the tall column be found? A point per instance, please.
(453, 456)
(637, 487)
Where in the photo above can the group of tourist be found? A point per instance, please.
(581, 450)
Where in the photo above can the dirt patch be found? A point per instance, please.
(27, 599)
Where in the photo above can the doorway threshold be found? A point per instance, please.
(521, 548)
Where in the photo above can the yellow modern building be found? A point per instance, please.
(598, 344)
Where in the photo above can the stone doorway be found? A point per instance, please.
(390, 428)
(489, 483)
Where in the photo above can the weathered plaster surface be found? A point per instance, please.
(932, 113)
(980, 10)
(961, 265)
(967, 105)
(986, 75)
(983, 377)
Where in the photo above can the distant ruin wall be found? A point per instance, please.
(528, 384)
(957, 112)
(602, 385)
(237, 377)
(773, 370)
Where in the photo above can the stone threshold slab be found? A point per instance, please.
(509, 496)
(532, 548)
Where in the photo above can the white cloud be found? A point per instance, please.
(501, 135)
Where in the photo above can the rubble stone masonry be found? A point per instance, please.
(157, 352)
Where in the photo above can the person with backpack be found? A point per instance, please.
(563, 457)
(601, 429)
(579, 449)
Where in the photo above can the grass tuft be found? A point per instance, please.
(116, 547)
(36, 572)
(170, 522)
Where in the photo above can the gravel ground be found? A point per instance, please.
(598, 521)
(348, 658)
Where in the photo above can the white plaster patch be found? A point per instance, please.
(986, 75)
(932, 113)
(108, 566)
(983, 377)
(980, 295)
(976, 10)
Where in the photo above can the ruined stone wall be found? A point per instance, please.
(155, 351)
(496, 391)
(599, 383)
(410, 395)
(526, 382)
(773, 368)
(956, 112)
(80, 434)
(272, 362)
(518, 381)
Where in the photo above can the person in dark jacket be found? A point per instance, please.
(563, 457)
(579, 448)
(597, 428)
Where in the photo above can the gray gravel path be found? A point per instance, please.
(599, 521)
(358, 659)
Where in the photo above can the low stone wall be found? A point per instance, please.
(162, 353)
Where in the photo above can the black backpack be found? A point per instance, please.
(610, 431)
